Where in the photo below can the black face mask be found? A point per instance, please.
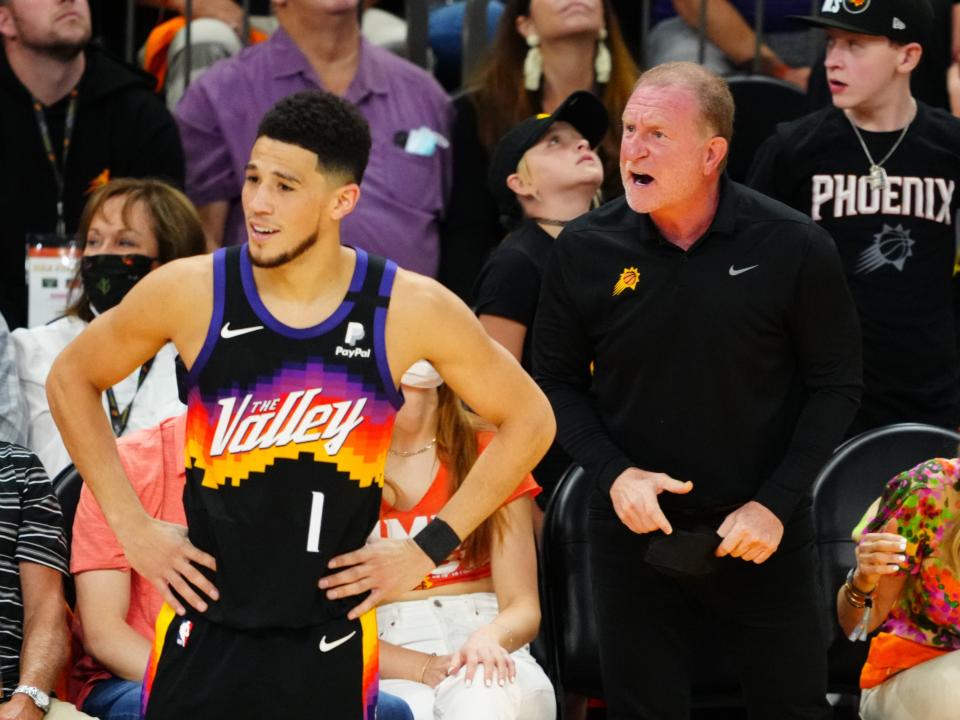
(107, 278)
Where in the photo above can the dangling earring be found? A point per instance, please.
(603, 65)
(533, 64)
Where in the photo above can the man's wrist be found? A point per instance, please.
(437, 540)
(35, 695)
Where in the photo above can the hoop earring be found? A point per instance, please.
(533, 64)
(603, 64)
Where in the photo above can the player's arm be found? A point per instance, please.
(427, 321)
(173, 302)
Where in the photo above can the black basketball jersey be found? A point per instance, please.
(287, 434)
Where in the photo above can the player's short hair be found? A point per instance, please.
(324, 124)
(711, 90)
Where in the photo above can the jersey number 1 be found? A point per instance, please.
(316, 519)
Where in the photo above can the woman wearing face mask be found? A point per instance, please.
(544, 51)
(456, 646)
(128, 228)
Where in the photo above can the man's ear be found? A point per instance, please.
(7, 28)
(344, 201)
(717, 149)
(910, 55)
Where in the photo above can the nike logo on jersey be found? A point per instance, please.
(226, 332)
(740, 271)
(327, 647)
(851, 195)
(272, 423)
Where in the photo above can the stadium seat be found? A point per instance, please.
(568, 608)
(852, 479)
(66, 486)
(761, 102)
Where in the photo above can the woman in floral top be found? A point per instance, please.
(907, 584)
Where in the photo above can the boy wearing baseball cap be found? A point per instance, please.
(879, 171)
(543, 173)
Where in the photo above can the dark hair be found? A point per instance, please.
(173, 220)
(502, 101)
(323, 124)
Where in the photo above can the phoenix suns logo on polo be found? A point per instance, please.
(628, 280)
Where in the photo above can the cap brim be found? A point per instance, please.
(584, 111)
(820, 22)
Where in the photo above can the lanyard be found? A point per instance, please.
(59, 170)
(119, 419)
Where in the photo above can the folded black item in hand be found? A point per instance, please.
(684, 552)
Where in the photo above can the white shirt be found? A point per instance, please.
(37, 348)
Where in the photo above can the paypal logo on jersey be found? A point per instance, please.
(355, 333)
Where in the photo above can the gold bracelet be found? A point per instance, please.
(423, 670)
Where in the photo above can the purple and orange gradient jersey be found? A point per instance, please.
(287, 434)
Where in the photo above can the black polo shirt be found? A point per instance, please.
(735, 364)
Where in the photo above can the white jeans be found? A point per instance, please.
(441, 625)
(928, 691)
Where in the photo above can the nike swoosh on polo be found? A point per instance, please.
(226, 333)
(327, 647)
(740, 271)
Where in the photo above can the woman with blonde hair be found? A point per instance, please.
(456, 646)
(129, 227)
(907, 584)
(545, 50)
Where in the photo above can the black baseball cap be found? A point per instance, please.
(583, 110)
(903, 21)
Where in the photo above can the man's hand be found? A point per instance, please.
(386, 568)
(634, 495)
(799, 76)
(20, 707)
(161, 553)
(751, 532)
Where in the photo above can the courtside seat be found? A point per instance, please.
(760, 103)
(852, 479)
(66, 487)
(568, 608)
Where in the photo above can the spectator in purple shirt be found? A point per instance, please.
(318, 46)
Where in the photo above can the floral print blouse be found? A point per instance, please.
(925, 502)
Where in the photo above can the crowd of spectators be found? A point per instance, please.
(472, 184)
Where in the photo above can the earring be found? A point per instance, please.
(533, 64)
(603, 64)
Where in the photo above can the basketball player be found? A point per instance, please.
(879, 171)
(295, 346)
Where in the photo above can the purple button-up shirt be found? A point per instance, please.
(402, 195)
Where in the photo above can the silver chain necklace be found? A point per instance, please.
(878, 176)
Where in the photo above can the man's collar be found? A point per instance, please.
(723, 223)
(288, 60)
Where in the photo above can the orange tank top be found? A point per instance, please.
(400, 524)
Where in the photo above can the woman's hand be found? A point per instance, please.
(435, 670)
(879, 554)
(483, 648)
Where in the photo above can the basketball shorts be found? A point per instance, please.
(200, 669)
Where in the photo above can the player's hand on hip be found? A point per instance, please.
(634, 496)
(385, 568)
(751, 532)
(161, 552)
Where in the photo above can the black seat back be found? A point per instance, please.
(852, 479)
(760, 103)
(66, 488)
